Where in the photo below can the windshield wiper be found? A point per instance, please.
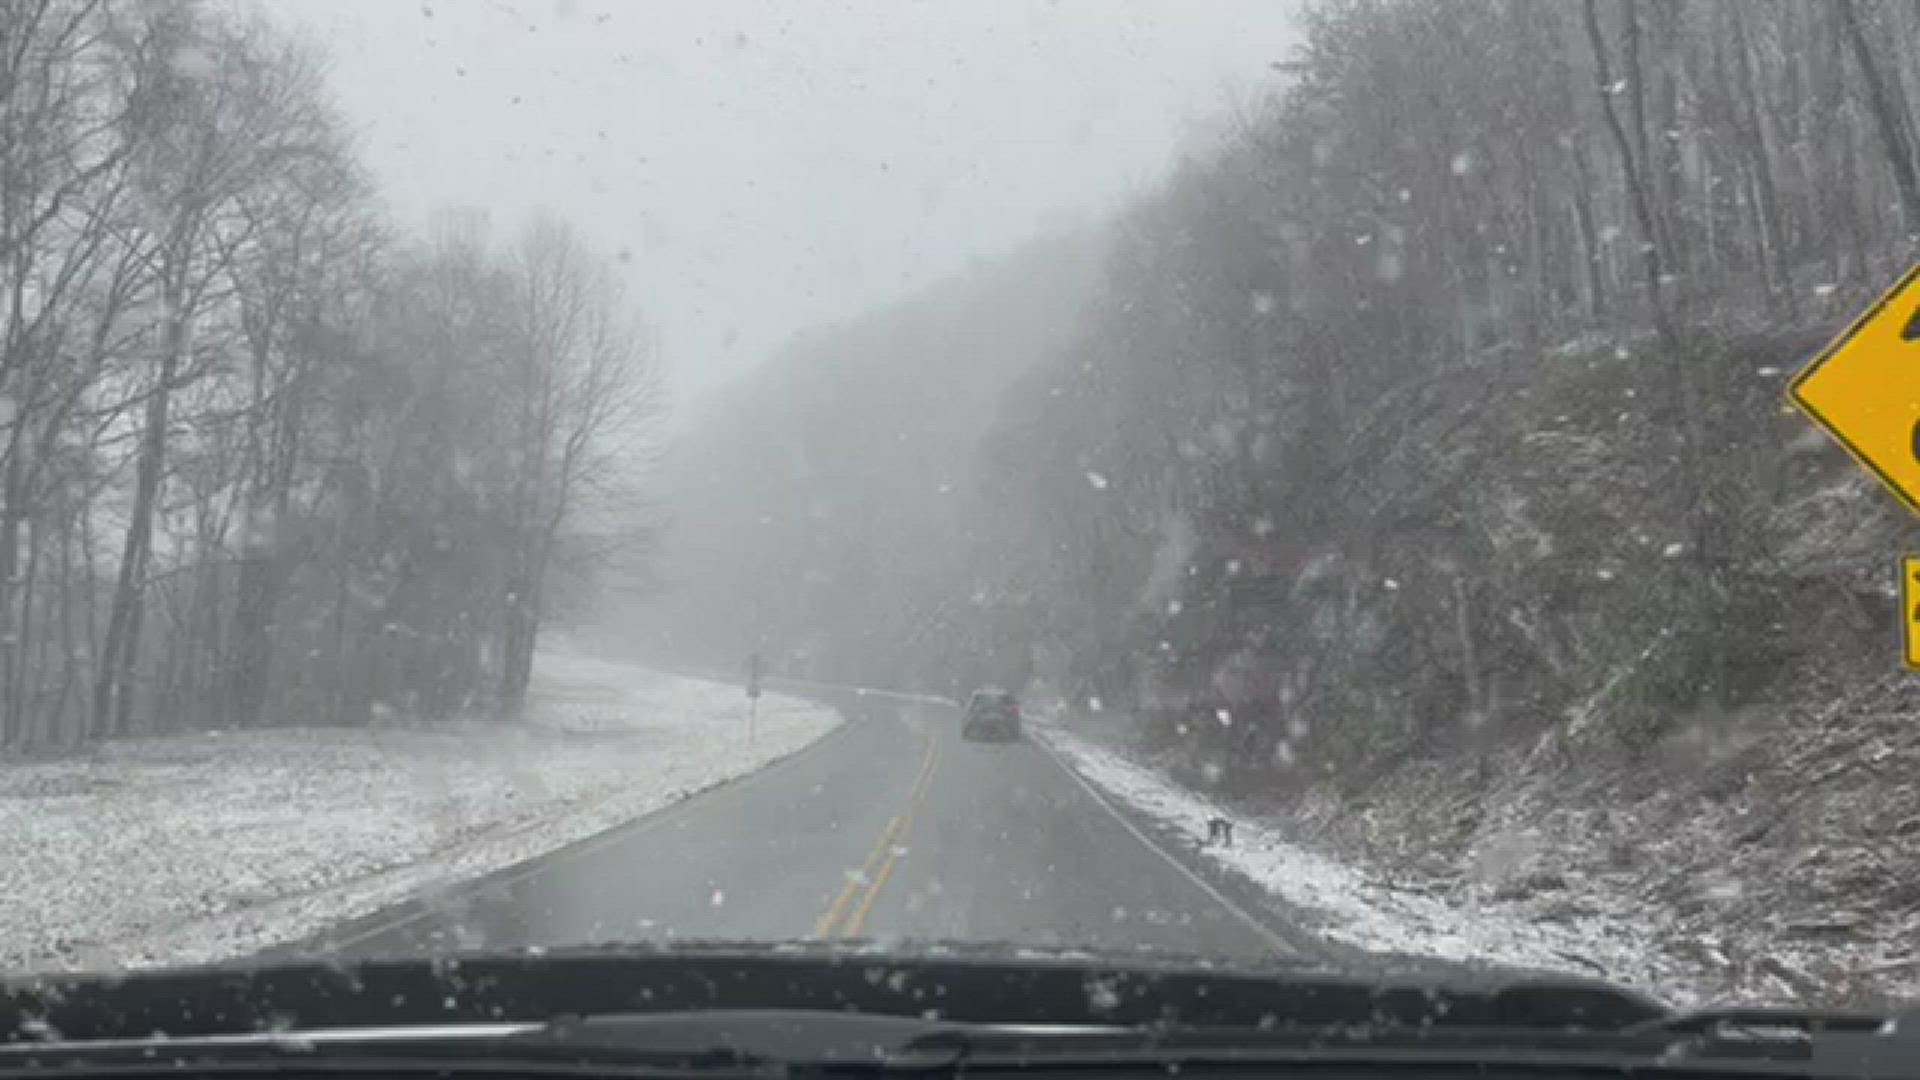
(1831, 1042)
(1761, 1041)
(594, 1046)
(725, 1041)
(1770, 1019)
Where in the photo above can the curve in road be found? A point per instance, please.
(892, 827)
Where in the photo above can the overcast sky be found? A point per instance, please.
(767, 166)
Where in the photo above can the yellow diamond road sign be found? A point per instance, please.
(1864, 388)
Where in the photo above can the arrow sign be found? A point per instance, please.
(1864, 388)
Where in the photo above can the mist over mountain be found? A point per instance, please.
(828, 510)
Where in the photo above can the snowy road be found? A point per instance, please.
(892, 826)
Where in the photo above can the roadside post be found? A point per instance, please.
(1864, 390)
(753, 696)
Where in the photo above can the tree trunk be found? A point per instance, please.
(1630, 168)
(1469, 655)
(28, 693)
(262, 576)
(1637, 110)
(254, 600)
(521, 631)
(53, 730)
(1775, 262)
(120, 654)
(351, 679)
(1707, 590)
(1886, 117)
(1536, 295)
(1589, 235)
(1669, 173)
(12, 608)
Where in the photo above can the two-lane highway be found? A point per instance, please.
(892, 827)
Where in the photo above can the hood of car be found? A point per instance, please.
(971, 982)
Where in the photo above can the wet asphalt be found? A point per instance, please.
(892, 827)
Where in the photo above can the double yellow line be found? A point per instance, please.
(845, 916)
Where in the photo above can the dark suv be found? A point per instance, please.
(991, 714)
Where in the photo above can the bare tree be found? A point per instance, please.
(1886, 112)
(310, 235)
(1632, 165)
(578, 374)
(214, 356)
(231, 120)
(63, 154)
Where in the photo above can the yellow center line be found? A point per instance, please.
(859, 919)
(823, 927)
(852, 929)
(880, 861)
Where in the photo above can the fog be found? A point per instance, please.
(1362, 418)
(765, 167)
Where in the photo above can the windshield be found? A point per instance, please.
(1330, 481)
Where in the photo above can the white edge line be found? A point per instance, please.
(1273, 939)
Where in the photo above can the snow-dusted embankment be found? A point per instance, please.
(1679, 894)
(201, 847)
(1341, 903)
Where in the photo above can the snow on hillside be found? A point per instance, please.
(201, 847)
(1709, 912)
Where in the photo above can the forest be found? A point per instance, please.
(1437, 398)
(267, 458)
(1435, 395)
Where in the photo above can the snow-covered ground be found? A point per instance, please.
(1772, 869)
(1343, 904)
(201, 847)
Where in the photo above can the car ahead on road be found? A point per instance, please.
(991, 714)
(811, 1011)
